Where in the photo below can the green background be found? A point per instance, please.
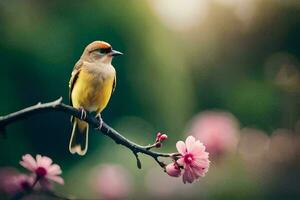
(165, 77)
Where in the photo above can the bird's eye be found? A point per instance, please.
(105, 50)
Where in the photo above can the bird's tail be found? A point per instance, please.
(79, 138)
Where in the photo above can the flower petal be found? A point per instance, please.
(180, 161)
(38, 160)
(199, 171)
(28, 158)
(28, 162)
(198, 148)
(200, 163)
(45, 162)
(54, 170)
(181, 147)
(204, 156)
(190, 142)
(56, 179)
(26, 166)
(188, 175)
(172, 169)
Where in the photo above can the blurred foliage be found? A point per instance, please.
(165, 77)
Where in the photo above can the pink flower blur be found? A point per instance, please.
(160, 186)
(111, 182)
(217, 130)
(173, 169)
(194, 159)
(12, 182)
(43, 168)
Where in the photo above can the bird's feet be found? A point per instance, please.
(83, 113)
(100, 121)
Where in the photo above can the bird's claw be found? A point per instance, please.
(83, 113)
(100, 120)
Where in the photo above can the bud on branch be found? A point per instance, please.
(191, 156)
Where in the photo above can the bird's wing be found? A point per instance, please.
(73, 78)
(114, 84)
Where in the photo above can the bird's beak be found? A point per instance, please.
(116, 53)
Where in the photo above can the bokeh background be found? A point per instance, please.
(189, 67)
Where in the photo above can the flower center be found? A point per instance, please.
(41, 171)
(188, 158)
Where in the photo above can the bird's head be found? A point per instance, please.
(99, 51)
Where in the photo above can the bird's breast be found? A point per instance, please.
(93, 89)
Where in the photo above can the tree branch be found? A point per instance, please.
(57, 105)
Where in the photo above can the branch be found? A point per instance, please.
(57, 105)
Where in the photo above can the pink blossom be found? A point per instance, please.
(173, 169)
(12, 182)
(43, 168)
(217, 130)
(160, 186)
(194, 159)
(111, 181)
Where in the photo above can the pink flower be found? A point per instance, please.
(111, 181)
(159, 186)
(43, 168)
(194, 159)
(173, 169)
(217, 130)
(12, 182)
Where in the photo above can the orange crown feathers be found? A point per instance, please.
(98, 45)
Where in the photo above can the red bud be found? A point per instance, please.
(158, 145)
(158, 135)
(163, 137)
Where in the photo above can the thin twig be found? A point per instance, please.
(57, 105)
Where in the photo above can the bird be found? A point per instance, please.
(92, 82)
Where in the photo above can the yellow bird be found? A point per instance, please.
(92, 82)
